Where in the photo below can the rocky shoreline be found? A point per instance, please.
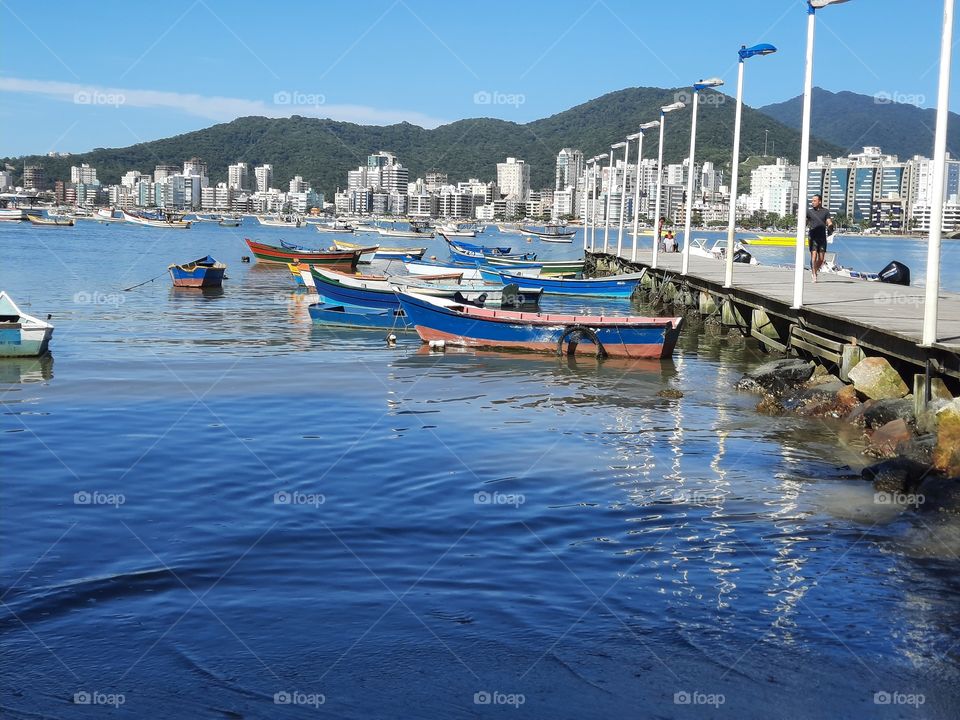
(917, 444)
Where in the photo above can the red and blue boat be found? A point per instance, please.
(202, 273)
(613, 286)
(616, 336)
(288, 253)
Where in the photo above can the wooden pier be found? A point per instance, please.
(841, 320)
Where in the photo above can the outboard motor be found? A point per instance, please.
(896, 273)
(461, 300)
(740, 255)
(511, 296)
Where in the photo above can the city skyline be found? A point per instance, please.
(59, 96)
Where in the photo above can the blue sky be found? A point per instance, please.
(75, 76)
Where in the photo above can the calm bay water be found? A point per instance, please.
(281, 512)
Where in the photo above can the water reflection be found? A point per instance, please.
(26, 370)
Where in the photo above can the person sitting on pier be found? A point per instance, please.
(819, 224)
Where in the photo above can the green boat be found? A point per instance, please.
(550, 267)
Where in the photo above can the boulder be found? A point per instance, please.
(946, 454)
(876, 378)
(897, 475)
(855, 416)
(884, 440)
(777, 376)
(919, 448)
(821, 377)
(940, 494)
(883, 411)
(927, 419)
(670, 393)
(830, 399)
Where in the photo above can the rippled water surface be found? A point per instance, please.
(209, 507)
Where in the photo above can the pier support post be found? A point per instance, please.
(850, 355)
(708, 304)
(730, 315)
(763, 329)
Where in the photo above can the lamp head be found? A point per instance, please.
(618, 145)
(761, 49)
(672, 106)
(817, 4)
(634, 136)
(708, 83)
(649, 125)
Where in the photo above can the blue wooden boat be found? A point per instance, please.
(614, 286)
(460, 254)
(616, 336)
(355, 316)
(482, 249)
(202, 273)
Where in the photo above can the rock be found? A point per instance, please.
(770, 405)
(883, 411)
(670, 393)
(885, 439)
(919, 448)
(777, 376)
(855, 416)
(939, 494)
(829, 399)
(897, 475)
(927, 420)
(946, 453)
(821, 377)
(876, 378)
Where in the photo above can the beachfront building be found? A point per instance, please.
(382, 176)
(513, 179)
(34, 177)
(83, 173)
(238, 176)
(264, 177)
(773, 188)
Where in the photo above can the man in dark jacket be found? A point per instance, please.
(819, 225)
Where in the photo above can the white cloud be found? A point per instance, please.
(214, 107)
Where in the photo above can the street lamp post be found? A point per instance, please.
(656, 213)
(939, 168)
(697, 87)
(623, 191)
(606, 218)
(744, 53)
(812, 6)
(593, 229)
(585, 210)
(636, 190)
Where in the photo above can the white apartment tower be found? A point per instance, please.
(264, 176)
(569, 167)
(83, 174)
(513, 179)
(238, 176)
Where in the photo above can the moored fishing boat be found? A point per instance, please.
(42, 221)
(230, 221)
(287, 221)
(341, 228)
(288, 253)
(616, 336)
(413, 232)
(548, 267)
(472, 248)
(614, 286)
(469, 271)
(460, 254)
(21, 335)
(11, 214)
(385, 253)
(107, 215)
(204, 272)
(169, 222)
(552, 232)
(367, 254)
(356, 316)
(299, 275)
(456, 230)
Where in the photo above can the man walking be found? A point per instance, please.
(818, 222)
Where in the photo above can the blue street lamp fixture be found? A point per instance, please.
(744, 53)
(697, 87)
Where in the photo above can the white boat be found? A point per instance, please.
(469, 273)
(11, 214)
(391, 232)
(274, 221)
(106, 215)
(718, 251)
(367, 254)
(509, 228)
(340, 228)
(364, 228)
(455, 230)
(167, 222)
(230, 221)
(552, 232)
(21, 334)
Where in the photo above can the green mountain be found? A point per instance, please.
(323, 150)
(852, 121)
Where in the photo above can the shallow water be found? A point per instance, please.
(280, 508)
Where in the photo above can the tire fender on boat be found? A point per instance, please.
(572, 334)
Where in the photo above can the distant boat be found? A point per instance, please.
(509, 228)
(168, 222)
(287, 253)
(106, 215)
(614, 286)
(552, 233)
(340, 228)
(477, 249)
(50, 221)
(392, 232)
(456, 230)
(772, 240)
(462, 324)
(367, 254)
(468, 272)
(230, 221)
(21, 335)
(718, 251)
(287, 221)
(355, 316)
(202, 273)
(548, 267)
(11, 214)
